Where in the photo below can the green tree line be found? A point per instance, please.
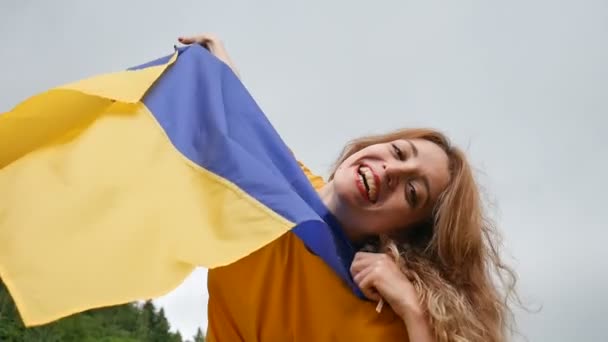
(133, 322)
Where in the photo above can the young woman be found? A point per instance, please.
(409, 206)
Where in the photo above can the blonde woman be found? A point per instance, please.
(409, 210)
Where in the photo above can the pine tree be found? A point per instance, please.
(177, 337)
(199, 337)
(121, 323)
(160, 328)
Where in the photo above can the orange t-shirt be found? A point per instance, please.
(283, 292)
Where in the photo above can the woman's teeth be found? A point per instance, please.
(367, 177)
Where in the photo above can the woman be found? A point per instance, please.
(408, 203)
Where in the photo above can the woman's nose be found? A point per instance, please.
(391, 176)
(393, 172)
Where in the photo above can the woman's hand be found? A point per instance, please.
(212, 43)
(379, 277)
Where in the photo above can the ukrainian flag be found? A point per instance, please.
(114, 188)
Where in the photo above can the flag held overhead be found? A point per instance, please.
(115, 188)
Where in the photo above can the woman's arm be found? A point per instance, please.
(214, 45)
(418, 327)
(379, 277)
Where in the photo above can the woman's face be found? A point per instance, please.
(388, 186)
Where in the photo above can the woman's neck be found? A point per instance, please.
(330, 199)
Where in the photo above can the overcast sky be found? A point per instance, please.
(521, 85)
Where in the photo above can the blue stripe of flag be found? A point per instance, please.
(211, 118)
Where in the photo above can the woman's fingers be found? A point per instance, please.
(361, 274)
(363, 270)
(193, 40)
(362, 260)
(202, 39)
(186, 40)
(366, 284)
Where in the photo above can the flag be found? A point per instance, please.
(114, 188)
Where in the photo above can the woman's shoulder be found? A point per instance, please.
(317, 181)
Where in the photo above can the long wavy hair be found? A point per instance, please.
(453, 257)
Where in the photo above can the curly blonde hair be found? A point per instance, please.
(453, 257)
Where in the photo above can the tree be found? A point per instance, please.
(121, 323)
(199, 337)
(159, 329)
(177, 337)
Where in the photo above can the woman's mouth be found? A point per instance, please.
(368, 183)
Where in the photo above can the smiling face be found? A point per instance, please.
(388, 186)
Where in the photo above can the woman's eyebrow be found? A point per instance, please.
(414, 148)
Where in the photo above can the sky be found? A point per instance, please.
(522, 86)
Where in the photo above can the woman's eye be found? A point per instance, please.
(398, 152)
(412, 194)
